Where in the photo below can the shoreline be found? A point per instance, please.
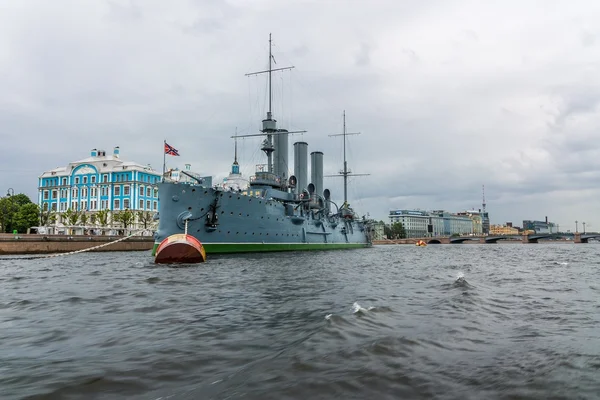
(47, 244)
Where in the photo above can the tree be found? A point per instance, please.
(83, 219)
(26, 217)
(125, 217)
(47, 216)
(9, 207)
(71, 216)
(144, 218)
(102, 217)
(397, 230)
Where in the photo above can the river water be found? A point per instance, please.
(502, 321)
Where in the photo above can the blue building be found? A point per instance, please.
(99, 182)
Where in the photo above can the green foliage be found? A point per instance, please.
(144, 218)
(20, 199)
(26, 217)
(83, 219)
(47, 217)
(9, 212)
(126, 218)
(397, 231)
(71, 216)
(102, 217)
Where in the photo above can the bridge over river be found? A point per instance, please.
(531, 238)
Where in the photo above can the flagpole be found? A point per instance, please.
(164, 160)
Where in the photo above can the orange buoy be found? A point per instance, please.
(180, 248)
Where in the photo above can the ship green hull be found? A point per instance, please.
(225, 248)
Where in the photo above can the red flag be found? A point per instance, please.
(170, 150)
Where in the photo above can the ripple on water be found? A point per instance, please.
(472, 322)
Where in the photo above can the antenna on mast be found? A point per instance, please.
(345, 173)
(483, 203)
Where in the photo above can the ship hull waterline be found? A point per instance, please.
(229, 248)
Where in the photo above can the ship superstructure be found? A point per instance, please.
(276, 212)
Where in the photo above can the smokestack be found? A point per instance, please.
(116, 151)
(280, 141)
(546, 219)
(301, 165)
(316, 171)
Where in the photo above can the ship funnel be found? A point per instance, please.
(281, 154)
(327, 196)
(301, 165)
(316, 170)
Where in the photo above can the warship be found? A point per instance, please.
(274, 212)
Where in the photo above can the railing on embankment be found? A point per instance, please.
(46, 244)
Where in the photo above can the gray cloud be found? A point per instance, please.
(448, 96)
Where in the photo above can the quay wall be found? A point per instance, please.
(47, 244)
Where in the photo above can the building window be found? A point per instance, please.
(126, 190)
(84, 179)
(117, 204)
(117, 190)
(93, 192)
(141, 204)
(93, 179)
(155, 206)
(147, 204)
(76, 180)
(141, 190)
(125, 203)
(83, 192)
(155, 192)
(74, 205)
(54, 194)
(148, 192)
(45, 195)
(64, 181)
(104, 178)
(83, 205)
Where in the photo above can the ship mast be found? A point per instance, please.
(345, 173)
(269, 124)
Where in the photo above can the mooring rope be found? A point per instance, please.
(76, 251)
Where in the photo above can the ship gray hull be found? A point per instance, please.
(234, 222)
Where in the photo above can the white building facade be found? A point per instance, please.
(418, 223)
(99, 182)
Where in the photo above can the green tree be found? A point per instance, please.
(397, 230)
(9, 207)
(71, 217)
(103, 218)
(47, 216)
(144, 218)
(83, 219)
(26, 217)
(125, 217)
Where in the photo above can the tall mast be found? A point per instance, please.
(346, 172)
(345, 163)
(269, 124)
(270, 70)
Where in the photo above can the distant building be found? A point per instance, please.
(503, 230)
(418, 223)
(98, 182)
(378, 230)
(540, 226)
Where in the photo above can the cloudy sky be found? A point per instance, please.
(447, 95)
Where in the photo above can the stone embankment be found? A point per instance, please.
(47, 244)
